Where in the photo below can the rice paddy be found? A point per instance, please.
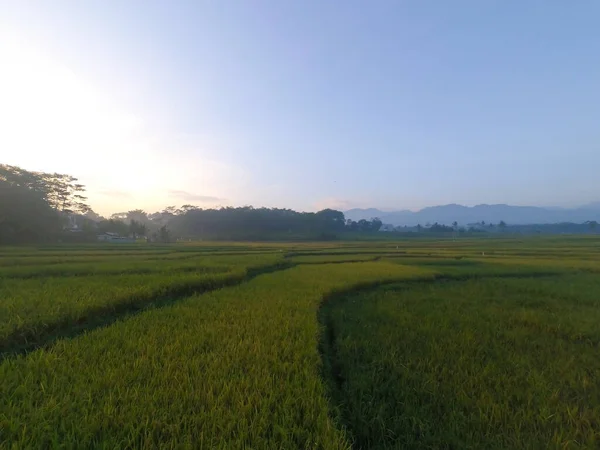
(467, 343)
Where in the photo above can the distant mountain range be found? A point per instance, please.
(464, 215)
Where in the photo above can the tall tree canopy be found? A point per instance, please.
(34, 205)
(61, 192)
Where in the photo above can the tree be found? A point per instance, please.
(113, 226)
(164, 217)
(439, 228)
(137, 229)
(25, 216)
(187, 208)
(164, 235)
(138, 215)
(502, 225)
(364, 225)
(61, 192)
(18, 177)
(376, 224)
(93, 216)
(455, 225)
(65, 194)
(35, 203)
(351, 225)
(331, 219)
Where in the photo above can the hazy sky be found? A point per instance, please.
(305, 104)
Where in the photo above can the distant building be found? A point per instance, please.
(114, 237)
(387, 227)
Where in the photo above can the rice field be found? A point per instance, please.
(468, 343)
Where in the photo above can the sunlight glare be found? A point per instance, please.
(51, 120)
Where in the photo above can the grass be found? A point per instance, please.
(421, 343)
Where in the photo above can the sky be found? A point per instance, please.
(305, 104)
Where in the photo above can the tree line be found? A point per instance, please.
(37, 207)
(34, 206)
(590, 226)
(236, 223)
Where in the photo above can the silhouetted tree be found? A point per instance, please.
(113, 226)
(25, 216)
(61, 192)
(164, 235)
(137, 229)
(439, 228)
(35, 204)
(376, 224)
(331, 219)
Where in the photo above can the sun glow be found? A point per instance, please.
(51, 120)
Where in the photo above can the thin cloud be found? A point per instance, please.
(190, 197)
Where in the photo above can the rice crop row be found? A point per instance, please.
(485, 363)
(233, 368)
(35, 308)
(198, 262)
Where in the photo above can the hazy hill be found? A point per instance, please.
(446, 214)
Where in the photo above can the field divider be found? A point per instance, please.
(23, 341)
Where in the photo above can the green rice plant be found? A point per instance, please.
(111, 267)
(91, 257)
(487, 342)
(233, 368)
(33, 309)
(484, 363)
(568, 264)
(460, 267)
(333, 258)
(134, 265)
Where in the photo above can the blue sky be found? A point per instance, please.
(306, 104)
